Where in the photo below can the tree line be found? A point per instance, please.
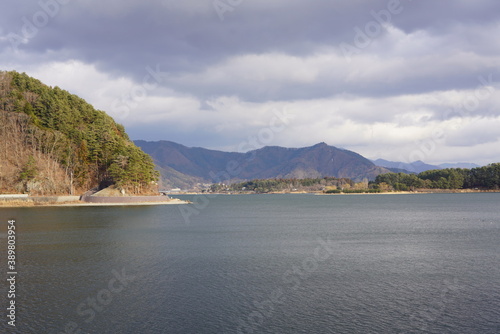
(284, 185)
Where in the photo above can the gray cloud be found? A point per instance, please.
(406, 73)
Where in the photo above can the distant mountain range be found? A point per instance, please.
(184, 167)
(419, 166)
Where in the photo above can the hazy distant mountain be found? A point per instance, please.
(414, 167)
(181, 165)
(419, 166)
(467, 165)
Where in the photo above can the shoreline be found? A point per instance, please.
(30, 202)
(173, 201)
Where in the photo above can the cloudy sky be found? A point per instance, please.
(400, 80)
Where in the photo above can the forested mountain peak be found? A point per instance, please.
(183, 166)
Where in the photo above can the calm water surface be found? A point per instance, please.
(425, 263)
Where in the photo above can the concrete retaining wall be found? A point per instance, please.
(57, 199)
(125, 199)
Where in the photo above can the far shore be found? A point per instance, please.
(422, 191)
(426, 191)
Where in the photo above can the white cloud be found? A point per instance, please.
(389, 127)
(81, 79)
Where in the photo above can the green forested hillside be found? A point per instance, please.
(54, 142)
(485, 178)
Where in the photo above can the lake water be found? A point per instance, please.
(427, 263)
